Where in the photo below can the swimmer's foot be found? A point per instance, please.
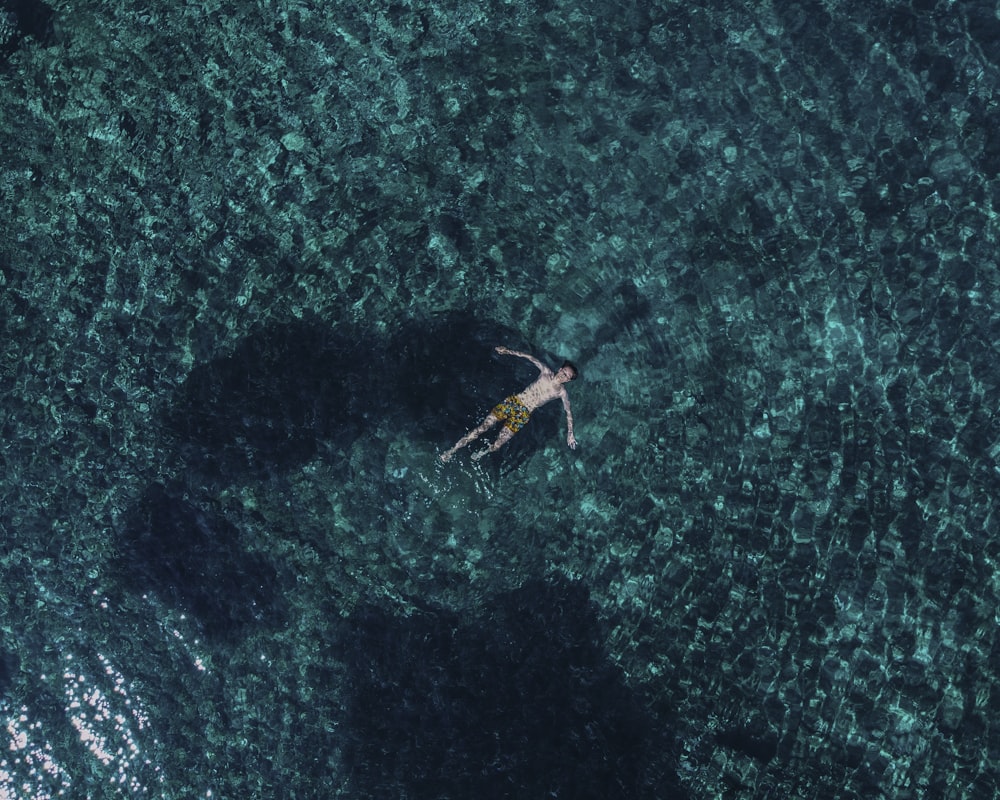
(479, 455)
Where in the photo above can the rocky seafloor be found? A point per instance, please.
(254, 261)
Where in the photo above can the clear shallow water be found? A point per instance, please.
(256, 263)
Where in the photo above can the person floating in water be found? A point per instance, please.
(516, 409)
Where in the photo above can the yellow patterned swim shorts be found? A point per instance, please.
(512, 413)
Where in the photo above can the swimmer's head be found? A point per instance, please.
(568, 369)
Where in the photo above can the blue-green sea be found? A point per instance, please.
(255, 260)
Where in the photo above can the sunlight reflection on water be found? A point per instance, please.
(108, 721)
(29, 770)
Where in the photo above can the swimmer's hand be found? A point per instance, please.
(571, 441)
(502, 350)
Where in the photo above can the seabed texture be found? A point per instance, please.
(254, 260)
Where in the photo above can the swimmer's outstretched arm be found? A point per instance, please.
(570, 438)
(506, 351)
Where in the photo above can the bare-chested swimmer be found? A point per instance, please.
(516, 409)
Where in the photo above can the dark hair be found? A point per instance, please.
(572, 366)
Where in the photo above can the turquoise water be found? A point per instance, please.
(254, 263)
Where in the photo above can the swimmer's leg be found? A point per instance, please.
(491, 420)
(502, 438)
